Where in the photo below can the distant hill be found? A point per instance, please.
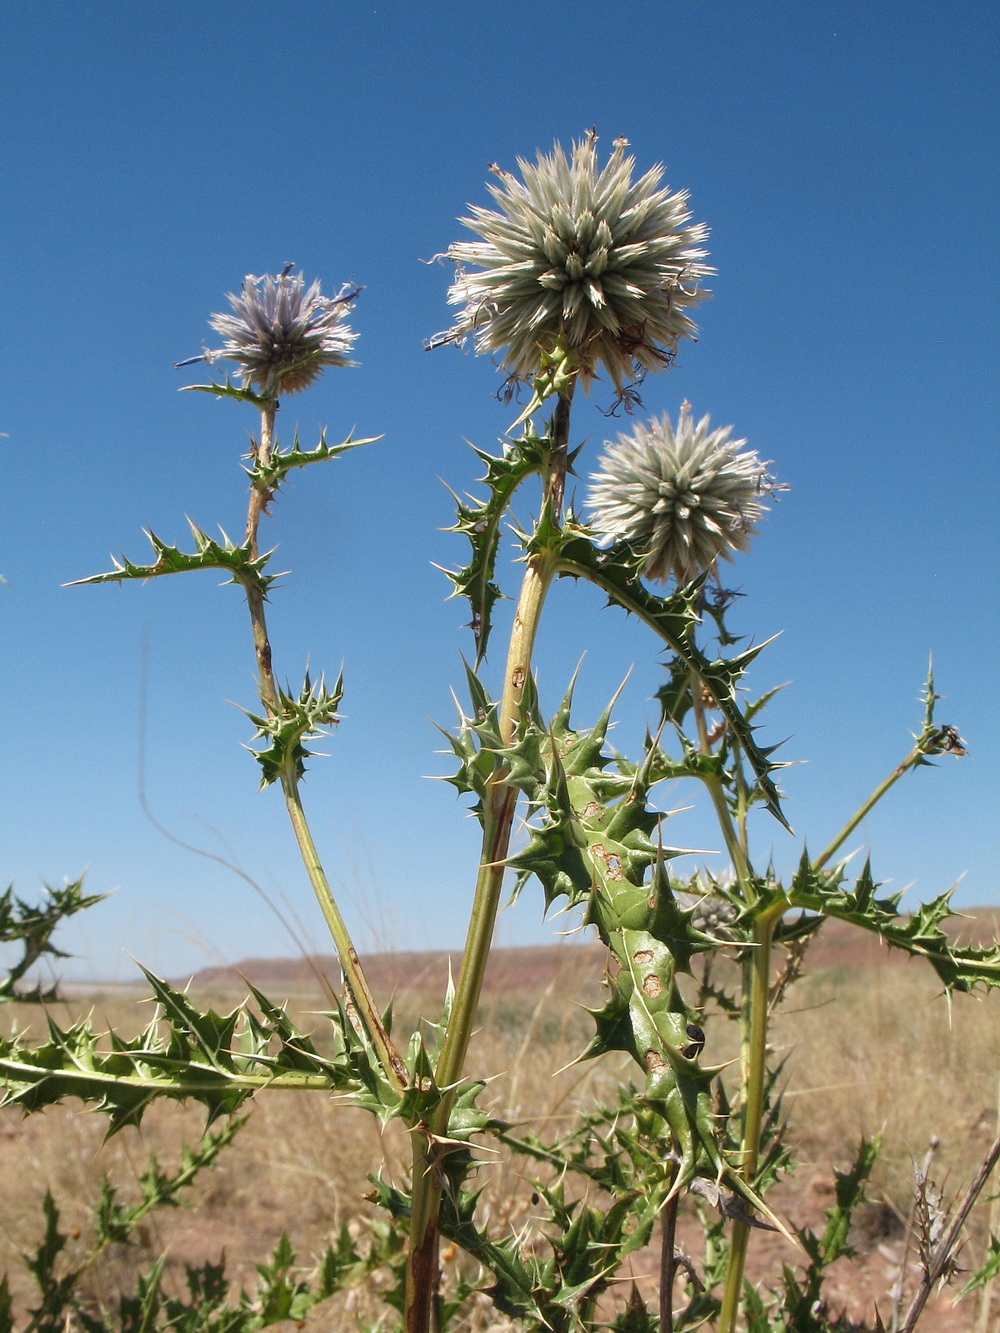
(529, 968)
(532, 968)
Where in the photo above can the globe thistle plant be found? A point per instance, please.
(282, 334)
(580, 261)
(682, 498)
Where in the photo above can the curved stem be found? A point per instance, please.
(499, 806)
(357, 983)
(362, 1002)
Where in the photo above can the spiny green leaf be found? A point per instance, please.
(987, 1270)
(960, 967)
(269, 476)
(31, 926)
(480, 522)
(42, 1262)
(229, 390)
(475, 743)
(115, 1221)
(297, 720)
(850, 1193)
(238, 560)
(617, 572)
(184, 1053)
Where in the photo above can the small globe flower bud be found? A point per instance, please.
(682, 498)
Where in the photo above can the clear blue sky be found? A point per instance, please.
(844, 157)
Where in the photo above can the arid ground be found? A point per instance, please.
(868, 1041)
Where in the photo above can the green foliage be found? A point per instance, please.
(115, 1221)
(296, 721)
(556, 1282)
(919, 933)
(283, 1291)
(592, 842)
(988, 1270)
(53, 1291)
(239, 561)
(217, 1060)
(30, 927)
(799, 1306)
(673, 619)
(477, 741)
(269, 476)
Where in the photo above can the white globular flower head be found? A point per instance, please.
(681, 498)
(282, 334)
(581, 261)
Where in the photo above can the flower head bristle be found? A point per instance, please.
(583, 258)
(682, 498)
(282, 334)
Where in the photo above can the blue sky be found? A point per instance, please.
(844, 158)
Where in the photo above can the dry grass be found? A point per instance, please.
(869, 1044)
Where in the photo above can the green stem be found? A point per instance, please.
(713, 782)
(259, 498)
(668, 1262)
(362, 1002)
(357, 983)
(754, 1077)
(501, 799)
(911, 761)
(499, 805)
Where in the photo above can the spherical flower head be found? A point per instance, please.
(682, 498)
(281, 334)
(581, 260)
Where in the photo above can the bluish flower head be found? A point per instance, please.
(282, 334)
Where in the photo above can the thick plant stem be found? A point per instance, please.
(754, 1079)
(501, 798)
(498, 817)
(362, 1001)
(668, 1263)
